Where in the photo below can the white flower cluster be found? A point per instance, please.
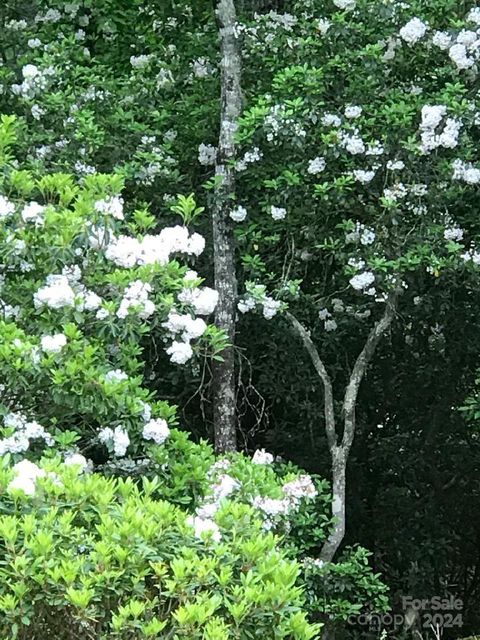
(466, 50)
(279, 122)
(255, 155)
(278, 213)
(362, 234)
(110, 207)
(115, 376)
(256, 296)
(77, 460)
(207, 154)
(35, 80)
(65, 290)
(432, 116)
(353, 111)
(26, 475)
(454, 234)
(363, 176)
(395, 165)
(142, 61)
(33, 212)
(262, 457)
(466, 172)
(202, 299)
(126, 251)
(331, 120)
(135, 299)
(222, 487)
(329, 324)
(6, 207)
(238, 214)
(23, 431)
(57, 293)
(116, 438)
(156, 430)
(413, 31)
(345, 5)
(323, 25)
(442, 40)
(363, 282)
(471, 256)
(180, 352)
(189, 328)
(53, 344)
(317, 165)
(352, 142)
(294, 492)
(203, 526)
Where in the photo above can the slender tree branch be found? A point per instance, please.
(317, 362)
(351, 394)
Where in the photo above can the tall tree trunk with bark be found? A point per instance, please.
(339, 452)
(224, 396)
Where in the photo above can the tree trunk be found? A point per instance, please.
(339, 468)
(224, 396)
(339, 452)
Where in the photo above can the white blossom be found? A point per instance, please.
(238, 214)
(180, 352)
(413, 31)
(262, 457)
(395, 165)
(345, 5)
(278, 213)
(117, 438)
(203, 299)
(110, 207)
(474, 15)
(458, 54)
(331, 120)
(466, 172)
(442, 40)
(205, 526)
(57, 293)
(207, 154)
(362, 281)
(53, 344)
(115, 376)
(353, 111)
(317, 165)
(33, 212)
(26, 475)
(270, 307)
(362, 176)
(156, 430)
(453, 233)
(323, 25)
(6, 207)
(330, 325)
(77, 460)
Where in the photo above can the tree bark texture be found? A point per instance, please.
(339, 452)
(224, 393)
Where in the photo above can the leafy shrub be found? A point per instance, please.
(94, 557)
(81, 283)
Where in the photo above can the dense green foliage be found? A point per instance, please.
(115, 97)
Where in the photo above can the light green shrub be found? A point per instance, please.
(88, 557)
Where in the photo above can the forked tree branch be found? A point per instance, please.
(317, 362)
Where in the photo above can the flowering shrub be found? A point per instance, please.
(81, 282)
(91, 557)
